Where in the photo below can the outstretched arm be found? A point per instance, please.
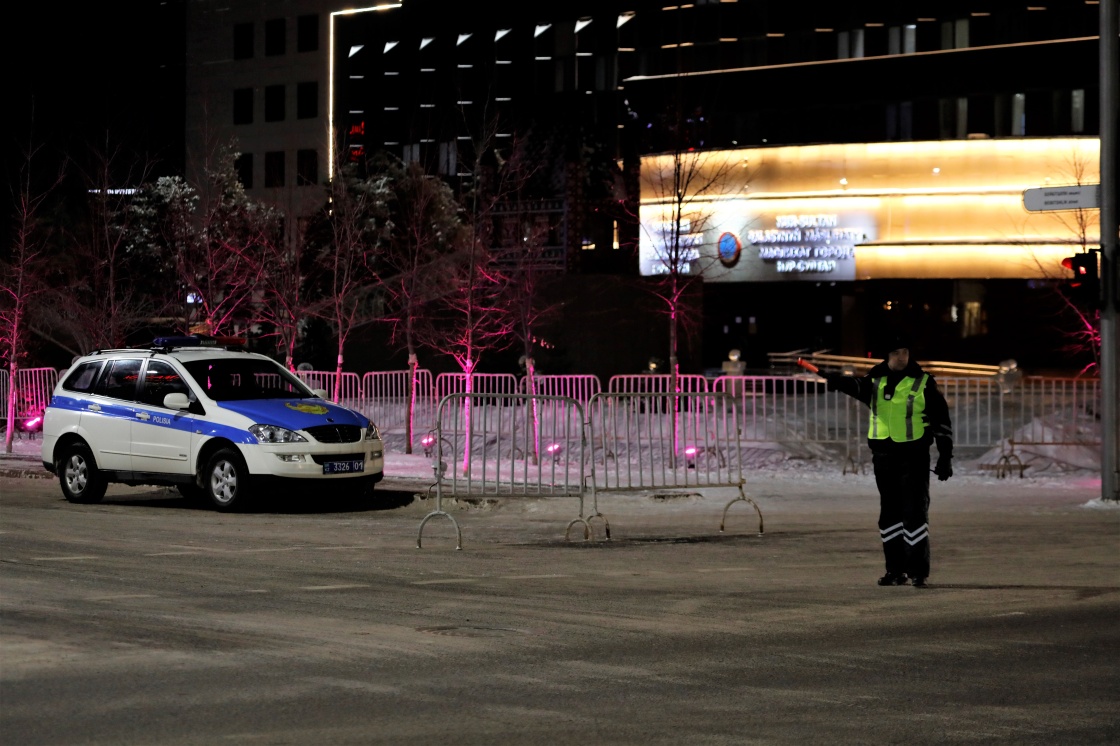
(862, 388)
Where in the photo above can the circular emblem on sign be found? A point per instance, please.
(307, 408)
(729, 249)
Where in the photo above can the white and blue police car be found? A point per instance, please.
(205, 416)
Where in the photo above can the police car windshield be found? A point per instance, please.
(238, 379)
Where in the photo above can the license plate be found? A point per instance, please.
(344, 467)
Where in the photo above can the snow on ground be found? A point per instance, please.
(814, 480)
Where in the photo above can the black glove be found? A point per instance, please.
(944, 468)
(832, 381)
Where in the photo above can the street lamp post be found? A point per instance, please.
(1110, 351)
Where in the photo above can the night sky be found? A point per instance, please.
(96, 69)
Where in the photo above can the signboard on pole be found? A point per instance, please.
(1046, 199)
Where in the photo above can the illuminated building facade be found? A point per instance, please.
(906, 131)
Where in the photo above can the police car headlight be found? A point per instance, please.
(276, 434)
(372, 432)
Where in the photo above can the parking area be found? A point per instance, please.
(148, 619)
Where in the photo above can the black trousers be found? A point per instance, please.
(903, 481)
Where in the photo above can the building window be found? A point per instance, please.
(243, 106)
(448, 158)
(1077, 111)
(307, 34)
(274, 103)
(1019, 115)
(857, 43)
(242, 41)
(307, 99)
(274, 169)
(960, 34)
(307, 167)
(244, 168)
(274, 33)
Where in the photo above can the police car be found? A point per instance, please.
(203, 415)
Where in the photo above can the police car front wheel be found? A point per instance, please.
(77, 473)
(227, 480)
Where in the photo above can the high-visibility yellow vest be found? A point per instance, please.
(899, 417)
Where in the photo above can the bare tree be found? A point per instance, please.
(472, 317)
(348, 240)
(22, 272)
(97, 301)
(212, 232)
(284, 301)
(680, 185)
(522, 244)
(414, 271)
(1084, 225)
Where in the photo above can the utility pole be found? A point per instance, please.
(1110, 349)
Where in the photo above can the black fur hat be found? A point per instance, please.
(897, 341)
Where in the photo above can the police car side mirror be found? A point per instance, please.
(176, 401)
(321, 393)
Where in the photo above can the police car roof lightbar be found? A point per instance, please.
(196, 340)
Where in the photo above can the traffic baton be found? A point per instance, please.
(808, 366)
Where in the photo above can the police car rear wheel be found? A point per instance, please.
(81, 481)
(227, 480)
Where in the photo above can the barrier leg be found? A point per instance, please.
(458, 531)
(606, 523)
(586, 529)
(741, 498)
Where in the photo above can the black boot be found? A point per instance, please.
(894, 578)
(920, 583)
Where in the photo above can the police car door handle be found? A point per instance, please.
(94, 407)
(143, 415)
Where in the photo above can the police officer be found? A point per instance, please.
(908, 413)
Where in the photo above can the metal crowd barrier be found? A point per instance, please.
(511, 445)
(538, 446)
(638, 445)
(33, 388)
(386, 399)
(656, 383)
(578, 387)
(986, 411)
(349, 389)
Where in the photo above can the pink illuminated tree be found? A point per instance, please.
(472, 316)
(1084, 225)
(680, 185)
(416, 268)
(23, 268)
(522, 250)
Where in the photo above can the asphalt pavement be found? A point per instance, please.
(149, 619)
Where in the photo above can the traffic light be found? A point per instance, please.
(1083, 286)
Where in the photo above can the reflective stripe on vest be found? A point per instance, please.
(900, 417)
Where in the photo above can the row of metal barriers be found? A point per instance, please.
(521, 445)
